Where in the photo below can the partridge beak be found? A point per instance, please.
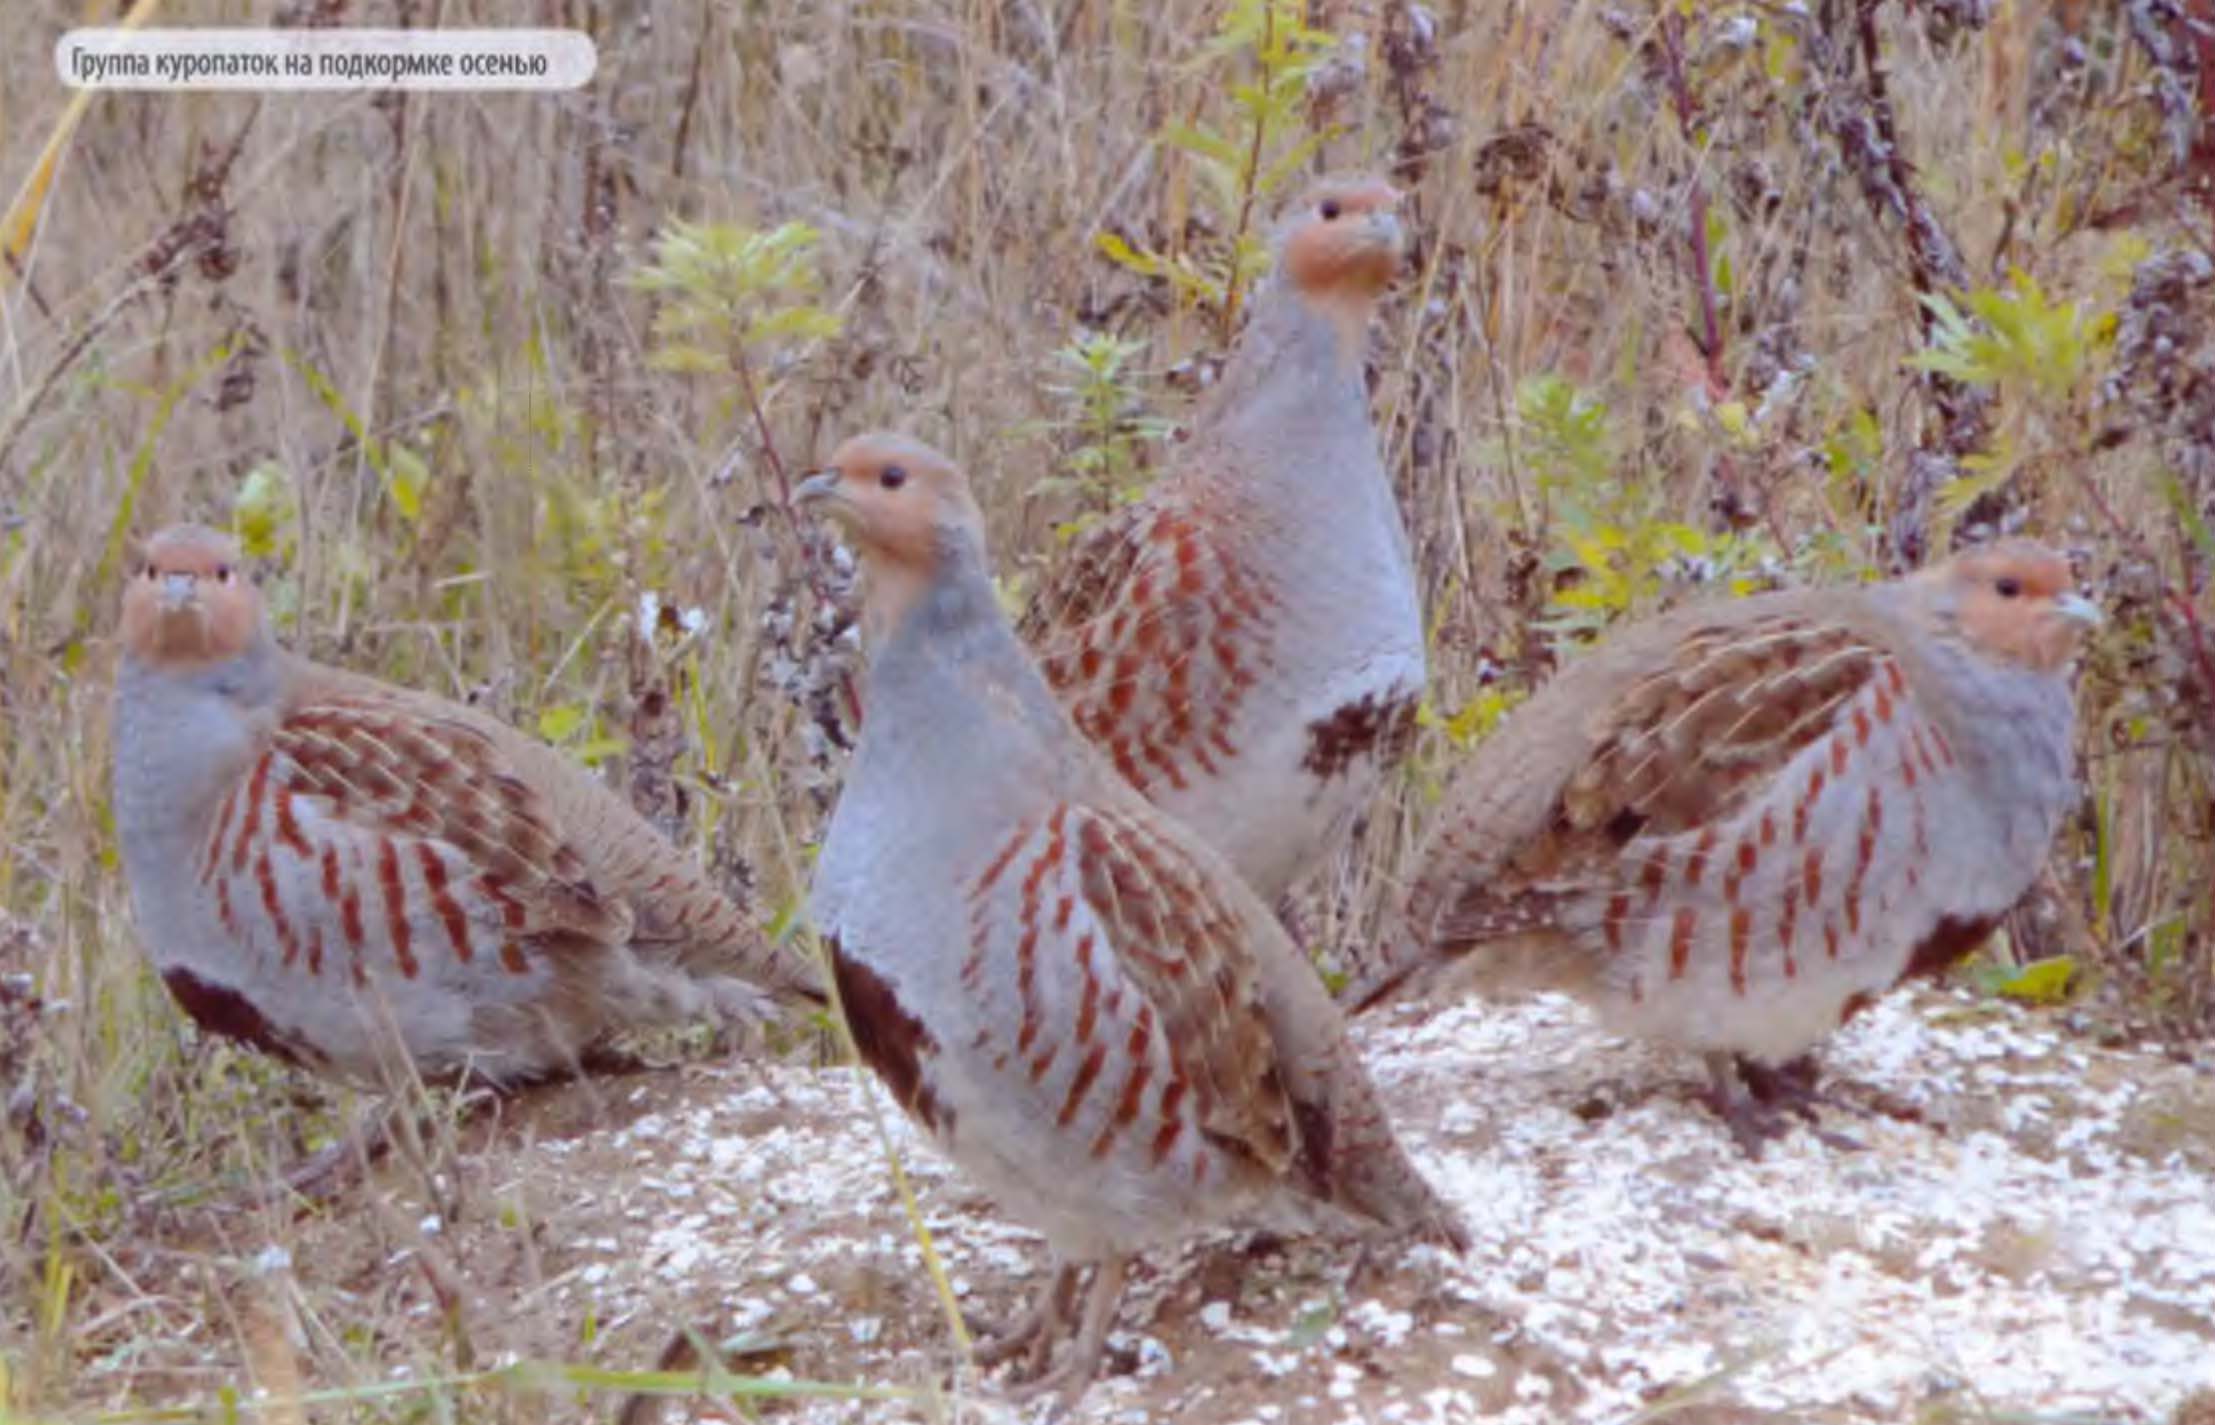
(820, 487)
(2079, 610)
(178, 593)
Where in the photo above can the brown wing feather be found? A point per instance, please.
(389, 769)
(1179, 941)
(1148, 633)
(1677, 744)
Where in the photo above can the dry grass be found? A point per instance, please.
(226, 284)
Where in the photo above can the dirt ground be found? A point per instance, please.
(2041, 1245)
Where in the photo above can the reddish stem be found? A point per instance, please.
(808, 570)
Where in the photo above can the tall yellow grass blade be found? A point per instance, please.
(30, 199)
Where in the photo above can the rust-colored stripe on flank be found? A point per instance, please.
(1811, 874)
(1768, 829)
(223, 815)
(991, 875)
(1945, 748)
(1853, 908)
(512, 958)
(288, 827)
(1026, 989)
(1087, 1071)
(288, 939)
(1788, 921)
(250, 825)
(1199, 1170)
(315, 947)
(349, 917)
(1838, 755)
(1894, 676)
(1748, 858)
(1088, 1008)
(1655, 874)
(1026, 950)
(1126, 1108)
(1063, 909)
(1884, 706)
(223, 906)
(1618, 910)
(1861, 728)
(1695, 866)
(442, 901)
(1741, 935)
(396, 906)
(330, 872)
(1680, 941)
(1172, 1119)
(1907, 766)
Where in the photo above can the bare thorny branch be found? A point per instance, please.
(1858, 114)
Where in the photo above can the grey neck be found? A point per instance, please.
(182, 736)
(954, 649)
(1291, 417)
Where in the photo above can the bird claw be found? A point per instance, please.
(1033, 1337)
(1030, 1335)
(1759, 1103)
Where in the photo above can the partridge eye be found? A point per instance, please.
(223, 573)
(893, 477)
(2009, 586)
(1331, 210)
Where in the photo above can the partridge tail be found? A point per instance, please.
(1494, 960)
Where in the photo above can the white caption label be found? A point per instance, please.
(325, 59)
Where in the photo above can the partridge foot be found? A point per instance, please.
(1031, 1335)
(1759, 1103)
(1066, 1380)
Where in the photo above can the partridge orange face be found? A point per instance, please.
(2017, 602)
(1345, 239)
(895, 496)
(892, 493)
(189, 601)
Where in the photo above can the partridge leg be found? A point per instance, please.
(1081, 1362)
(1031, 1335)
(1758, 1103)
(1796, 1084)
(1751, 1120)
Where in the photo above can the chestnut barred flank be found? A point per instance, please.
(323, 864)
(1095, 1014)
(1245, 643)
(1728, 827)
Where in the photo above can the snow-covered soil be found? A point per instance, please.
(2041, 1244)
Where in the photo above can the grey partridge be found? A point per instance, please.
(1246, 641)
(333, 869)
(1729, 827)
(1076, 997)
